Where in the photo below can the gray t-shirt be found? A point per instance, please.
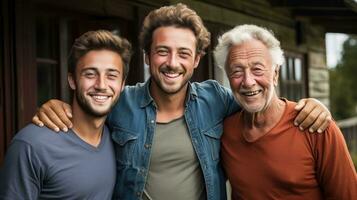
(41, 164)
(174, 171)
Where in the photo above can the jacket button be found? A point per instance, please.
(138, 194)
(147, 146)
(142, 170)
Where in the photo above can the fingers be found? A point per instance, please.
(37, 121)
(68, 109)
(320, 124)
(54, 114)
(325, 124)
(60, 115)
(300, 104)
(49, 124)
(303, 113)
(51, 117)
(313, 115)
(310, 119)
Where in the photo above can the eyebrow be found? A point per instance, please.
(161, 47)
(113, 70)
(95, 69)
(180, 48)
(89, 68)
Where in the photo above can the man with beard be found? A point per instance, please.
(80, 164)
(264, 155)
(168, 143)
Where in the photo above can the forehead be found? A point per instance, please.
(251, 49)
(101, 60)
(174, 37)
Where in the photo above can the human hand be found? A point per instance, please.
(55, 115)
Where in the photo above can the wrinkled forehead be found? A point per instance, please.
(252, 49)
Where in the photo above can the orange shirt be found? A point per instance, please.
(286, 163)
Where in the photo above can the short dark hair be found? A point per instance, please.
(99, 40)
(178, 15)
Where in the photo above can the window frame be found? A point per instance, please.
(288, 84)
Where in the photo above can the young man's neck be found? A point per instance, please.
(169, 106)
(87, 127)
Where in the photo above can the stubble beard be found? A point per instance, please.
(88, 109)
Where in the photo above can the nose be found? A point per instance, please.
(248, 80)
(172, 60)
(101, 83)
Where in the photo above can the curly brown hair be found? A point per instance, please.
(178, 15)
(98, 40)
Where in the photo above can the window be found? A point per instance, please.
(47, 59)
(292, 84)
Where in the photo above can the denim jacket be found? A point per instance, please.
(132, 122)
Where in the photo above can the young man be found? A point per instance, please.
(168, 143)
(264, 155)
(81, 164)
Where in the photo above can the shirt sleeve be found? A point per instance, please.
(20, 174)
(335, 170)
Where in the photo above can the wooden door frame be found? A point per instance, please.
(18, 92)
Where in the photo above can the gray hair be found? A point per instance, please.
(243, 33)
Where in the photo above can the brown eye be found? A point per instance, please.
(258, 71)
(162, 52)
(237, 73)
(112, 76)
(184, 54)
(89, 74)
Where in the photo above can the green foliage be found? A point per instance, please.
(343, 82)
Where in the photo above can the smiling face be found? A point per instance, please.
(251, 75)
(172, 59)
(98, 81)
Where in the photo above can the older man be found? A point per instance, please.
(264, 155)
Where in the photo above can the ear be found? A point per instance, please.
(276, 75)
(71, 81)
(197, 60)
(147, 59)
(122, 86)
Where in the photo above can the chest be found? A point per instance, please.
(283, 160)
(76, 172)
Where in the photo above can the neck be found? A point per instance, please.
(262, 122)
(169, 106)
(87, 127)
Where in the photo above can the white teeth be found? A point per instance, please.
(100, 97)
(251, 93)
(172, 75)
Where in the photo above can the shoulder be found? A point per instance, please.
(290, 113)
(131, 88)
(232, 119)
(210, 88)
(231, 128)
(133, 94)
(35, 135)
(208, 84)
(333, 132)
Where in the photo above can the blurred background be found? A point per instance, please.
(341, 52)
(318, 37)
